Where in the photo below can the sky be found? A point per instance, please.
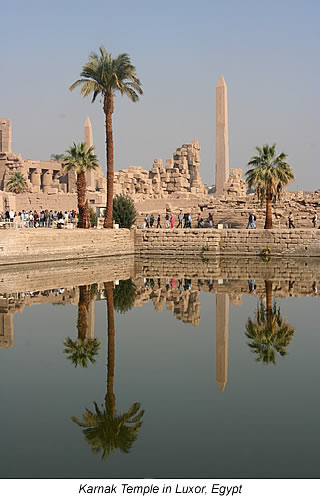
(267, 51)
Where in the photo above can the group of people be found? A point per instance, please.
(291, 224)
(184, 221)
(44, 218)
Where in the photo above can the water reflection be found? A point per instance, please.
(269, 333)
(86, 347)
(104, 429)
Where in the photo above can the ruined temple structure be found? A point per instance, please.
(49, 186)
(180, 175)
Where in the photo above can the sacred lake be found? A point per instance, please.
(152, 367)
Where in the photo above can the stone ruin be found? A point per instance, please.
(180, 175)
(48, 184)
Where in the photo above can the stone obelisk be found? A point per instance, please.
(88, 140)
(222, 139)
(222, 339)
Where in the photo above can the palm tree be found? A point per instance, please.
(82, 350)
(269, 333)
(17, 183)
(103, 75)
(269, 174)
(80, 160)
(57, 157)
(104, 429)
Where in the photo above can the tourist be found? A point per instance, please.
(159, 222)
(11, 216)
(314, 221)
(180, 218)
(251, 221)
(167, 220)
(172, 221)
(189, 221)
(199, 221)
(291, 221)
(147, 221)
(210, 220)
(151, 221)
(185, 217)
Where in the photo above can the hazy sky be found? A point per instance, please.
(268, 52)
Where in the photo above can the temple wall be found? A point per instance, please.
(206, 242)
(40, 245)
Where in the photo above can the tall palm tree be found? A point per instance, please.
(17, 183)
(79, 159)
(82, 350)
(269, 174)
(103, 75)
(104, 429)
(268, 332)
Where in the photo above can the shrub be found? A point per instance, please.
(93, 217)
(124, 212)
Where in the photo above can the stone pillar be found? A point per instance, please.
(5, 135)
(222, 337)
(222, 139)
(46, 180)
(35, 179)
(6, 329)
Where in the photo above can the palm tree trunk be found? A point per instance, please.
(84, 222)
(268, 285)
(268, 223)
(108, 107)
(83, 309)
(110, 397)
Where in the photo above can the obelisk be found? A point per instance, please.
(222, 139)
(88, 140)
(222, 339)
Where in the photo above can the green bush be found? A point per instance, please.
(93, 217)
(124, 212)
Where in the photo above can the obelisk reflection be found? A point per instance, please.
(222, 337)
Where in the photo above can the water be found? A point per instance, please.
(210, 408)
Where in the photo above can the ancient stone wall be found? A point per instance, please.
(39, 245)
(179, 175)
(206, 242)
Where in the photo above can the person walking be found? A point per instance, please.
(189, 221)
(180, 218)
(314, 221)
(210, 220)
(151, 221)
(159, 222)
(167, 220)
(251, 221)
(199, 221)
(291, 221)
(185, 217)
(147, 221)
(172, 221)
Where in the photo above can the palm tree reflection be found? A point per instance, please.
(269, 333)
(104, 429)
(85, 348)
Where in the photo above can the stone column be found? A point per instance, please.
(35, 179)
(222, 338)
(6, 329)
(46, 180)
(90, 333)
(222, 139)
(5, 135)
